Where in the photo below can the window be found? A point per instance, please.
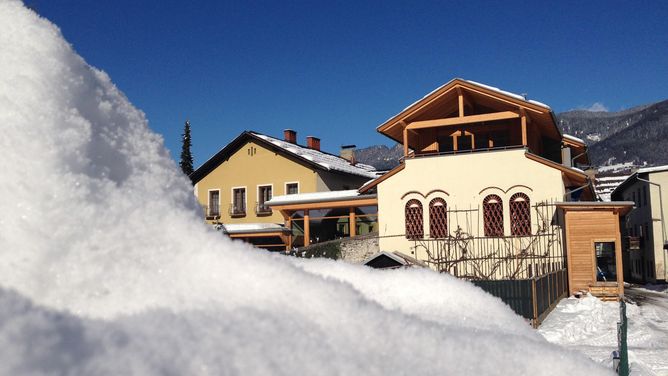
(214, 204)
(414, 228)
(438, 220)
(492, 207)
(238, 206)
(264, 194)
(606, 265)
(291, 188)
(520, 215)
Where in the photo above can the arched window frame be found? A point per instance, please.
(520, 214)
(414, 220)
(493, 215)
(438, 218)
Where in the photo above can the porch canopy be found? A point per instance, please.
(307, 203)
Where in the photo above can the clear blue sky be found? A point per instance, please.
(336, 70)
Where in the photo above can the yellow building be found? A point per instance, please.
(235, 184)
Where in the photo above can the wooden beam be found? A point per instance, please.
(405, 142)
(352, 222)
(524, 127)
(494, 116)
(460, 97)
(288, 245)
(307, 229)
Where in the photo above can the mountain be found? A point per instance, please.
(637, 136)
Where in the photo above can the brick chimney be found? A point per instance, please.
(348, 153)
(290, 136)
(313, 143)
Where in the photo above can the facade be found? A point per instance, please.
(483, 191)
(644, 228)
(235, 185)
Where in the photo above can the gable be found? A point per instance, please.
(460, 98)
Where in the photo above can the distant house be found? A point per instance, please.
(644, 228)
(235, 184)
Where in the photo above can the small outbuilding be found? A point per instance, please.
(594, 247)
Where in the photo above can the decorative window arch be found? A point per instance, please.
(520, 215)
(492, 207)
(414, 225)
(438, 219)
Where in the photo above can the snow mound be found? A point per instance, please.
(107, 267)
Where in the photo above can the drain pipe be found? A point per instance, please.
(577, 189)
(663, 227)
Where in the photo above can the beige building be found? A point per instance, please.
(235, 184)
(489, 188)
(644, 227)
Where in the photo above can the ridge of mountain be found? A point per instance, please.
(638, 135)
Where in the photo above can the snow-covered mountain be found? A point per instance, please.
(637, 135)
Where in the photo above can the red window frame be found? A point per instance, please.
(493, 215)
(520, 215)
(438, 218)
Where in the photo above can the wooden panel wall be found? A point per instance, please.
(583, 228)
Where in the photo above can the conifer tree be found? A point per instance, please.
(186, 157)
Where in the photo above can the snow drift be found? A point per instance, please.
(107, 268)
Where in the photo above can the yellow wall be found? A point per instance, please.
(250, 166)
(466, 180)
(660, 255)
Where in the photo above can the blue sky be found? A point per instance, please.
(338, 69)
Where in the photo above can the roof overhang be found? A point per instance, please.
(320, 202)
(473, 92)
(618, 207)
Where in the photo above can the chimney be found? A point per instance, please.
(313, 143)
(290, 136)
(348, 153)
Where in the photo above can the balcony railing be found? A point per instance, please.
(237, 210)
(212, 212)
(262, 209)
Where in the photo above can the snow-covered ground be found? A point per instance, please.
(108, 269)
(589, 326)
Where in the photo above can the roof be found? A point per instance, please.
(644, 170)
(246, 228)
(623, 206)
(301, 198)
(401, 260)
(310, 157)
(388, 127)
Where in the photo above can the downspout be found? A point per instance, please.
(663, 227)
(577, 189)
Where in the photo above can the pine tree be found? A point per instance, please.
(186, 157)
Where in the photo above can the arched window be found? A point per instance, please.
(492, 207)
(520, 215)
(438, 220)
(414, 228)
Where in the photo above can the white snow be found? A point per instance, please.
(327, 161)
(351, 194)
(108, 269)
(589, 326)
(573, 138)
(653, 169)
(232, 228)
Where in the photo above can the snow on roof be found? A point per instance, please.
(652, 169)
(327, 161)
(573, 138)
(508, 93)
(236, 228)
(496, 89)
(301, 198)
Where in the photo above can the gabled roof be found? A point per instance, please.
(634, 176)
(424, 107)
(312, 158)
